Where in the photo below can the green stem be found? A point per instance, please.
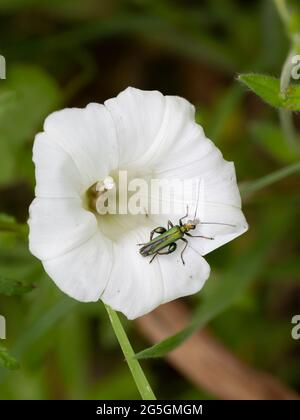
(270, 179)
(283, 11)
(133, 364)
(286, 117)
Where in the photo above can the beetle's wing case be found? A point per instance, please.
(161, 241)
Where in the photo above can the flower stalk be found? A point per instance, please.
(286, 116)
(133, 364)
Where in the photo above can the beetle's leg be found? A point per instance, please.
(171, 249)
(198, 236)
(153, 258)
(170, 224)
(186, 244)
(159, 229)
(187, 213)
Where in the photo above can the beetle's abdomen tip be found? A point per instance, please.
(143, 252)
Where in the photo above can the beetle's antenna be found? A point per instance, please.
(196, 208)
(217, 223)
(207, 223)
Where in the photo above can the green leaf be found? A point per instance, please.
(10, 287)
(231, 287)
(6, 360)
(268, 89)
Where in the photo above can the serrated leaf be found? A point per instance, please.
(268, 89)
(11, 287)
(6, 360)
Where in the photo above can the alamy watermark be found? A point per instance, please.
(2, 327)
(296, 329)
(2, 67)
(295, 72)
(121, 194)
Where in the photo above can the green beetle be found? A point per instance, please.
(167, 238)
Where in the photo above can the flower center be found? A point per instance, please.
(108, 183)
(97, 194)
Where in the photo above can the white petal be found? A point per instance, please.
(83, 272)
(186, 153)
(138, 116)
(133, 287)
(179, 141)
(155, 132)
(217, 177)
(88, 136)
(137, 287)
(58, 226)
(222, 222)
(221, 234)
(55, 171)
(183, 280)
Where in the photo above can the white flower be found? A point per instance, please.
(92, 257)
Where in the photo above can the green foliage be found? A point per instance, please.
(10, 287)
(9, 224)
(6, 360)
(271, 139)
(70, 52)
(29, 103)
(220, 117)
(26, 98)
(270, 179)
(268, 89)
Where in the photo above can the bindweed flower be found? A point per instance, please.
(92, 256)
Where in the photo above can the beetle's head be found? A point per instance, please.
(191, 224)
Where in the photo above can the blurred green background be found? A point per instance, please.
(69, 53)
